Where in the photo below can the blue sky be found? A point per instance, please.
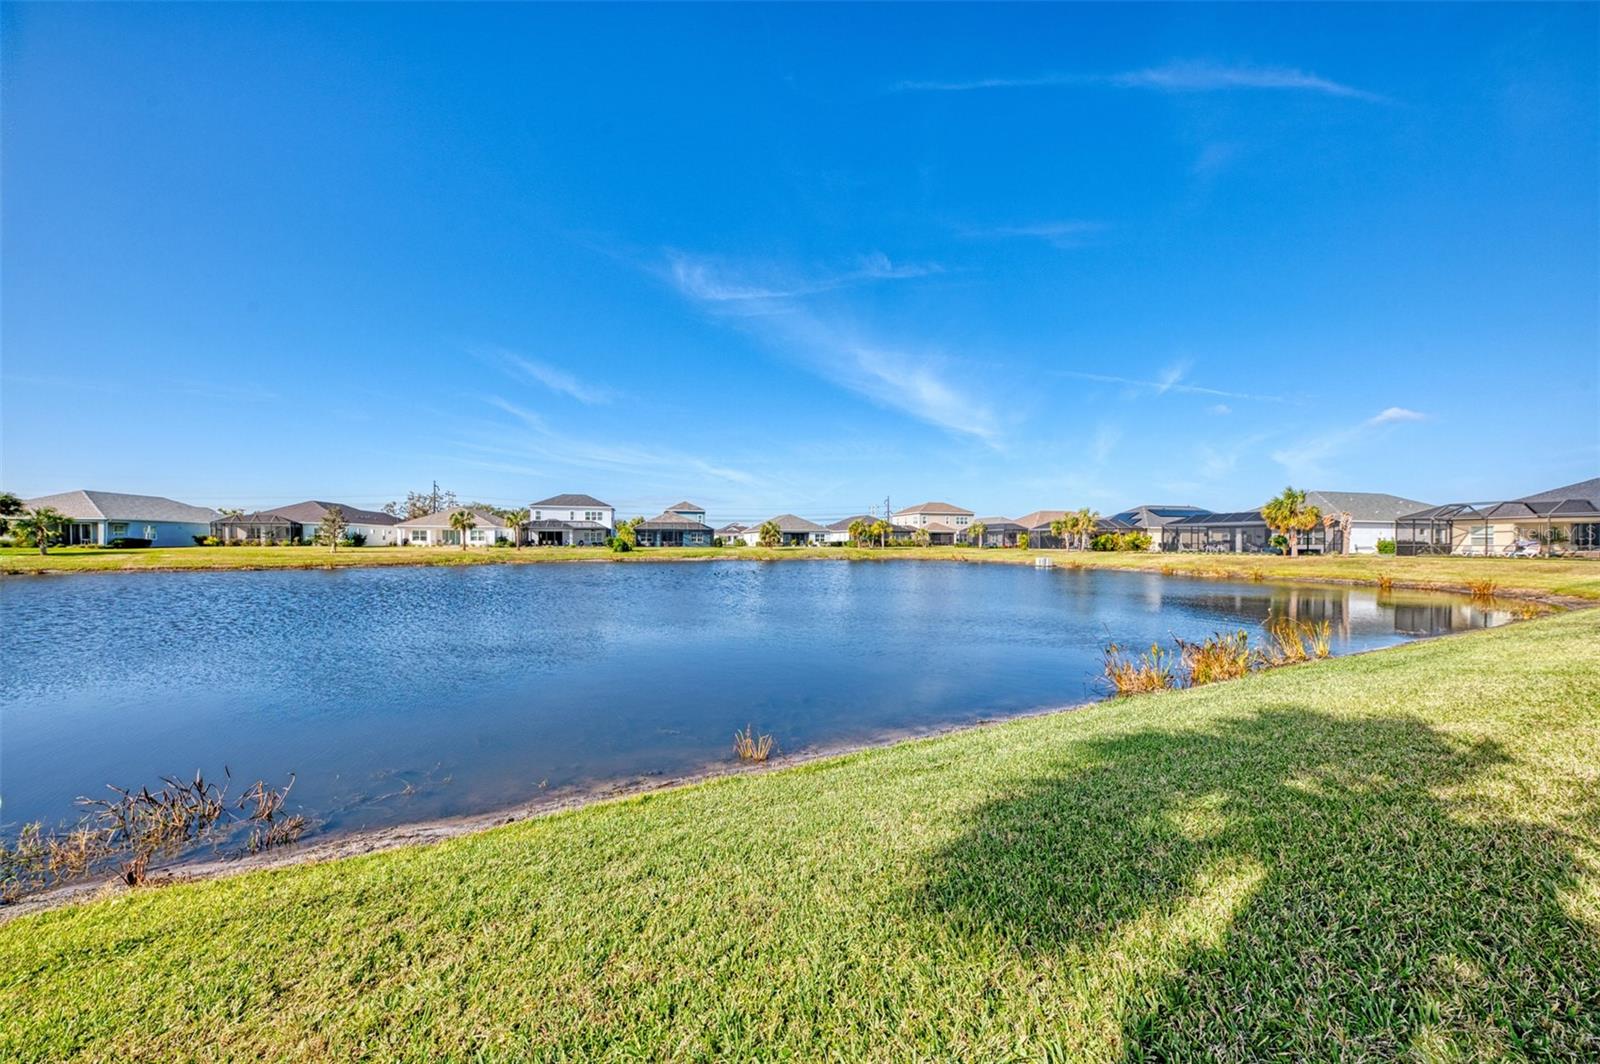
(800, 259)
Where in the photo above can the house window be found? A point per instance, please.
(419, 535)
(961, 520)
(538, 516)
(477, 535)
(119, 528)
(591, 515)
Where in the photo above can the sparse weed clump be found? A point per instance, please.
(750, 746)
(1482, 589)
(1130, 674)
(1223, 656)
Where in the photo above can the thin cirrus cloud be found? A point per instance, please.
(1170, 379)
(771, 304)
(1062, 234)
(552, 377)
(1308, 457)
(1182, 77)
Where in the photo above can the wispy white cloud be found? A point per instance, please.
(1395, 413)
(1106, 438)
(747, 289)
(1307, 457)
(1220, 409)
(1061, 234)
(1173, 77)
(553, 377)
(1170, 379)
(896, 376)
(538, 440)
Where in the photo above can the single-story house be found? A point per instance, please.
(571, 521)
(839, 531)
(731, 531)
(1038, 525)
(434, 530)
(1238, 532)
(1369, 517)
(1564, 520)
(1000, 531)
(942, 521)
(287, 524)
(683, 525)
(103, 516)
(1151, 518)
(792, 531)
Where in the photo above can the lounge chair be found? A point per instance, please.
(1523, 548)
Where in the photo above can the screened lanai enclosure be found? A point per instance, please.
(263, 526)
(1517, 529)
(1241, 532)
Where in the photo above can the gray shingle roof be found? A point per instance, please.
(1364, 505)
(117, 506)
(932, 508)
(1041, 518)
(573, 500)
(670, 521)
(843, 524)
(732, 529)
(481, 519)
(791, 523)
(1583, 489)
(689, 506)
(312, 512)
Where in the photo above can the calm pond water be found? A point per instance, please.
(403, 694)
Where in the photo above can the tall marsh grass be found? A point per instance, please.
(750, 746)
(1130, 674)
(1222, 656)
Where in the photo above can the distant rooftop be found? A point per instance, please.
(573, 500)
(118, 506)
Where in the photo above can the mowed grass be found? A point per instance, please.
(1575, 578)
(1394, 854)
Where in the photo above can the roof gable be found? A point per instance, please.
(933, 508)
(1364, 505)
(573, 500)
(117, 506)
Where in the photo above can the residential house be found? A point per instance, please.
(839, 531)
(1040, 534)
(435, 530)
(140, 520)
(683, 525)
(942, 521)
(285, 524)
(1151, 518)
(571, 521)
(732, 531)
(1369, 517)
(1239, 532)
(792, 531)
(1001, 532)
(1564, 520)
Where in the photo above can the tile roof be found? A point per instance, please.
(117, 506)
(1041, 518)
(573, 500)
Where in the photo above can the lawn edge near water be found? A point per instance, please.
(1559, 581)
(423, 834)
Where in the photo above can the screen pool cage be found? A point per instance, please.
(1515, 528)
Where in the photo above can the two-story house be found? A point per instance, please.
(683, 525)
(940, 520)
(571, 521)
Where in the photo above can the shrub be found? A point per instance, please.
(503, 544)
(1124, 541)
(1220, 657)
(1385, 546)
(750, 746)
(354, 539)
(1135, 674)
(129, 541)
(619, 545)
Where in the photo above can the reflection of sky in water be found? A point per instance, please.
(399, 694)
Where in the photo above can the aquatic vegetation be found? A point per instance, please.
(1129, 674)
(1222, 656)
(750, 746)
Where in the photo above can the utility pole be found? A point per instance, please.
(888, 514)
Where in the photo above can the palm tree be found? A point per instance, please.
(514, 520)
(1088, 518)
(463, 522)
(975, 533)
(40, 525)
(1340, 522)
(858, 530)
(769, 534)
(1060, 528)
(881, 529)
(1289, 515)
(921, 537)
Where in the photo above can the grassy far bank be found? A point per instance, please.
(1577, 578)
(1395, 853)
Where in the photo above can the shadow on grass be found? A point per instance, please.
(1291, 884)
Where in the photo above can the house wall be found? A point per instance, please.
(160, 533)
(1364, 535)
(605, 515)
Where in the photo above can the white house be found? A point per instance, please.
(571, 521)
(943, 522)
(103, 516)
(792, 532)
(1372, 515)
(435, 530)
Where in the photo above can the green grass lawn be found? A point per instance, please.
(1394, 854)
(1577, 578)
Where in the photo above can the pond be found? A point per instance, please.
(403, 694)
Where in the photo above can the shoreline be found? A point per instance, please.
(1270, 568)
(434, 830)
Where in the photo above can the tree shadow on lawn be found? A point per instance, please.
(1288, 884)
